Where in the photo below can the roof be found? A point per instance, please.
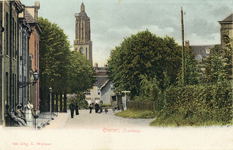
(29, 17)
(100, 80)
(32, 21)
(104, 84)
(229, 18)
(201, 49)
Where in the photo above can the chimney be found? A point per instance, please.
(37, 7)
(187, 45)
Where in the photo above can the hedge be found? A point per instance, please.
(198, 104)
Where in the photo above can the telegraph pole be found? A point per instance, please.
(183, 60)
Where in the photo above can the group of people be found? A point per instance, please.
(72, 108)
(23, 118)
(98, 109)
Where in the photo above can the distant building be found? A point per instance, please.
(106, 92)
(202, 51)
(82, 42)
(93, 96)
(226, 28)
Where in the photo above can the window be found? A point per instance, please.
(13, 38)
(7, 87)
(7, 33)
(98, 91)
(88, 93)
(86, 52)
(198, 58)
(207, 51)
(81, 50)
(112, 87)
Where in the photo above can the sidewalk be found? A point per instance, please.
(59, 122)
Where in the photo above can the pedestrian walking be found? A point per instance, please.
(72, 107)
(90, 107)
(77, 113)
(96, 107)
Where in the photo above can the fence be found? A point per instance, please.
(141, 105)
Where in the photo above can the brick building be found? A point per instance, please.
(31, 15)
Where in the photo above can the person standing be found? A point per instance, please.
(72, 109)
(28, 108)
(77, 113)
(90, 107)
(96, 107)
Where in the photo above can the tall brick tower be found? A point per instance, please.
(82, 42)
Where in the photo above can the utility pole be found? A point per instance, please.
(183, 59)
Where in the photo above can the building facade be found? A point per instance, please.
(82, 42)
(93, 96)
(9, 58)
(227, 29)
(31, 15)
(23, 59)
(107, 92)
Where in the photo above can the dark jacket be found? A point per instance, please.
(72, 107)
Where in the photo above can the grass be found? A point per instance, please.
(146, 114)
(179, 120)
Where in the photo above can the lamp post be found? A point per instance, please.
(125, 97)
(50, 90)
(35, 76)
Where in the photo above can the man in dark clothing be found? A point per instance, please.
(96, 107)
(90, 107)
(77, 113)
(72, 109)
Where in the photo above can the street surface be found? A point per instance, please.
(109, 132)
(98, 121)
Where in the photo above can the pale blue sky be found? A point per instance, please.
(112, 20)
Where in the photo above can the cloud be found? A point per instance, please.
(210, 39)
(112, 20)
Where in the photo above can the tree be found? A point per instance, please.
(143, 54)
(53, 55)
(81, 75)
(60, 68)
(192, 70)
(79, 99)
(213, 68)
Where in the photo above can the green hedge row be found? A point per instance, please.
(196, 105)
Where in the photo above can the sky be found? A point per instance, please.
(113, 20)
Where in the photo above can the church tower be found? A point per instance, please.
(82, 42)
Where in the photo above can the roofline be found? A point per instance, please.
(104, 84)
(226, 21)
(204, 45)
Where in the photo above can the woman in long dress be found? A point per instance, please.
(29, 118)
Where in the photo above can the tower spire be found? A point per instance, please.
(82, 7)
